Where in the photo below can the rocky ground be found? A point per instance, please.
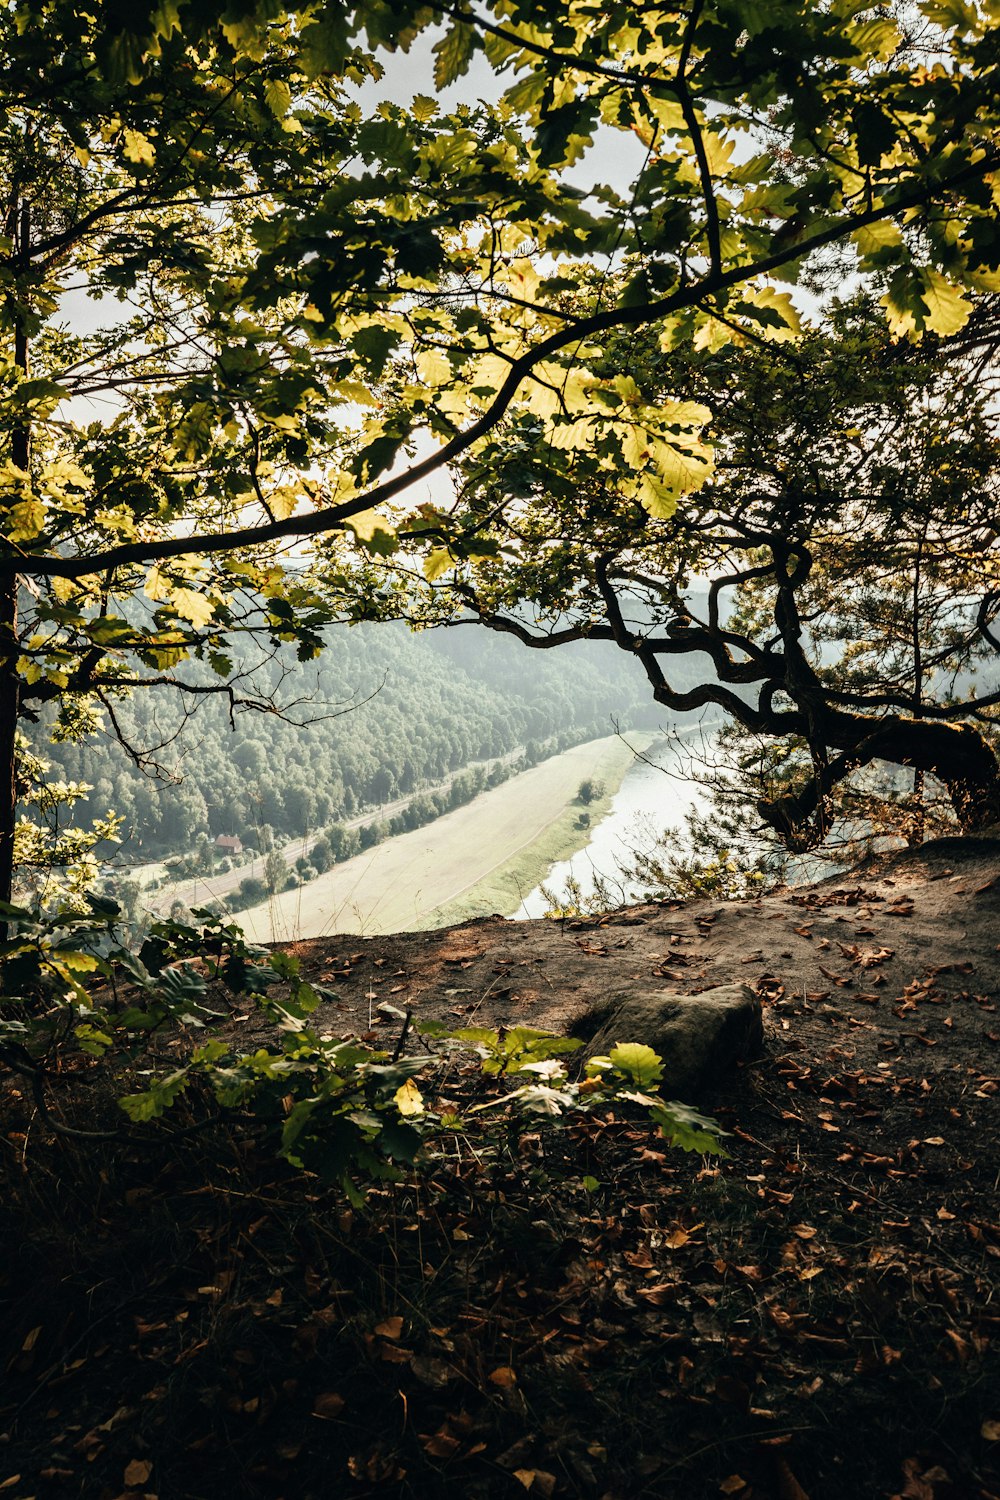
(812, 1318)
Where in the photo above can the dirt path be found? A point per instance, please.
(915, 943)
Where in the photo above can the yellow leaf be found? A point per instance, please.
(637, 447)
(283, 501)
(367, 523)
(883, 235)
(522, 278)
(684, 470)
(28, 520)
(437, 563)
(778, 303)
(433, 367)
(157, 585)
(138, 148)
(656, 498)
(669, 115)
(191, 605)
(719, 153)
(568, 435)
(278, 96)
(30, 670)
(490, 372)
(947, 309)
(409, 1101)
(690, 414)
(713, 336)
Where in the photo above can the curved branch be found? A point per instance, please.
(331, 518)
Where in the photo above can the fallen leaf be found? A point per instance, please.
(137, 1472)
(538, 1481)
(990, 1430)
(442, 1444)
(503, 1377)
(329, 1404)
(732, 1485)
(390, 1328)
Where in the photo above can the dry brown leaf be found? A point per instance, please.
(137, 1472)
(441, 1445)
(503, 1377)
(390, 1328)
(329, 1404)
(537, 1481)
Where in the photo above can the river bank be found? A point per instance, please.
(473, 861)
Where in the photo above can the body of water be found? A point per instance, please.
(657, 792)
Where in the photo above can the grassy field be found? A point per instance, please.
(478, 859)
(505, 887)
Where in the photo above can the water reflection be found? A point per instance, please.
(657, 793)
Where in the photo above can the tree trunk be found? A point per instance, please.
(957, 754)
(10, 689)
(10, 683)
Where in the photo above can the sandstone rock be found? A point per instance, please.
(700, 1037)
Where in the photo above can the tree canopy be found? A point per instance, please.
(242, 309)
(834, 584)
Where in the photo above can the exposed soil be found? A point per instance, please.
(814, 1317)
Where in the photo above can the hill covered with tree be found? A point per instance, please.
(380, 714)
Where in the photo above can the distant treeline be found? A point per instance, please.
(337, 843)
(381, 714)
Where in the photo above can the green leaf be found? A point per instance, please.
(638, 1062)
(157, 1100)
(453, 54)
(325, 43)
(686, 1129)
(278, 96)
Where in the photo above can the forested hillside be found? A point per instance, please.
(379, 714)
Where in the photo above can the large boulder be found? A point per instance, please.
(701, 1037)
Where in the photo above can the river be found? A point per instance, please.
(657, 792)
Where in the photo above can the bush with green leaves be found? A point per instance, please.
(332, 1106)
(337, 1107)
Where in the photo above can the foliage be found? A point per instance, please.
(338, 1108)
(835, 582)
(284, 295)
(53, 850)
(283, 263)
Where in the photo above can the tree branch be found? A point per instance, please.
(332, 518)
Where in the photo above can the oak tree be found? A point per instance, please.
(314, 305)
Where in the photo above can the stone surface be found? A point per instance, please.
(700, 1037)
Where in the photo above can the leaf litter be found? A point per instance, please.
(592, 1315)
